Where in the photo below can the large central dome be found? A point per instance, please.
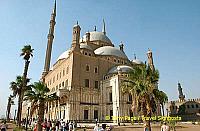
(109, 50)
(95, 36)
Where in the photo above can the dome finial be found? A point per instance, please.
(77, 22)
(95, 28)
(104, 27)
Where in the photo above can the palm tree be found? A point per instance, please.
(10, 103)
(26, 52)
(16, 87)
(38, 95)
(141, 82)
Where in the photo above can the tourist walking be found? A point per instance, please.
(3, 127)
(165, 127)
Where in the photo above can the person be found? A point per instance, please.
(48, 126)
(66, 128)
(35, 126)
(62, 125)
(145, 127)
(57, 125)
(165, 127)
(3, 127)
(96, 127)
(71, 126)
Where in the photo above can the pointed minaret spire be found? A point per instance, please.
(95, 28)
(54, 9)
(104, 28)
(50, 41)
(180, 90)
(135, 56)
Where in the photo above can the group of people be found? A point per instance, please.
(103, 128)
(58, 125)
(164, 127)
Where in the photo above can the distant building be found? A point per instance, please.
(189, 109)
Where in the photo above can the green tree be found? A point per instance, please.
(26, 53)
(10, 103)
(161, 98)
(141, 82)
(16, 87)
(39, 95)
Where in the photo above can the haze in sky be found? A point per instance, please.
(170, 28)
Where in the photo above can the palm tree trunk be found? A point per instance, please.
(19, 109)
(40, 115)
(8, 109)
(22, 91)
(162, 109)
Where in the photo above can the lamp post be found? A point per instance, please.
(27, 119)
(118, 116)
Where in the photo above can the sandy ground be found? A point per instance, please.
(180, 127)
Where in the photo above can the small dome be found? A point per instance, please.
(109, 50)
(137, 62)
(122, 68)
(85, 46)
(64, 55)
(94, 36)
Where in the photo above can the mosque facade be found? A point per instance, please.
(87, 77)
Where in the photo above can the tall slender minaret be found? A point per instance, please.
(76, 37)
(50, 41)
(150, 59)
(180, 91)
(104, 27)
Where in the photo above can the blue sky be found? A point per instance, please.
(170, 28)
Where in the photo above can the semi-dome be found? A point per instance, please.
(94, 36)
(64, 55)
(137, 62)
(109, 50)
(85, 46)
(121, 68)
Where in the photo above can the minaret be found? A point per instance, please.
(50, 41)
(121, 46)
(76, 37)
(104, 28)
(180, 91)
(150, 59)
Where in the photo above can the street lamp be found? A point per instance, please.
(27, 119)
(118, 116)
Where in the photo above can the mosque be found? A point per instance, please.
(87, 77)
(188, 110)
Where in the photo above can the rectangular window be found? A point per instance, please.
(63, 72)
(95, 114)
(66, 83)
(130, 98)
(87, 82)
(96, 84)
(110, 97)
(63, 84)
(96, 70)
(85, 114)
(53, 79)
(67, 71)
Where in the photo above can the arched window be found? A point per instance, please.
(87, 68)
